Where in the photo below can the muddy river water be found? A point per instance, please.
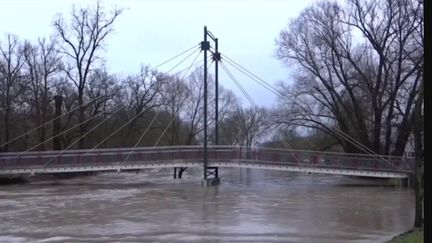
(248, 206)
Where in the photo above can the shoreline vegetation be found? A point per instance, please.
(412, 236)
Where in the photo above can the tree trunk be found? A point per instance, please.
(6, 130)
(57, 123)
(419, 163)
(82, 126)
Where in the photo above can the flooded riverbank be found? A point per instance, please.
(248, 206)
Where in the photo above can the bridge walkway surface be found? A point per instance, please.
(126, 159)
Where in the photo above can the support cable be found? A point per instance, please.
(290, 149)
(184, 59)
(85, 134)
(141, 137)
(280, 95)
(248, 97)
(63, 132)
(157, 114)
(172, 58)
(164, 131)
(118, 129)
(140, 113)
(46, 123)
(171, 121)
(192, 64)
(255, 105)
(33, 129)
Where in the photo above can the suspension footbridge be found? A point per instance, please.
(210, 157)
(127, 159)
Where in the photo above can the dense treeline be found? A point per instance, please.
(97, 103)
(359, 72)
(348, 90)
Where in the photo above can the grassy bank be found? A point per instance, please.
(414, 236)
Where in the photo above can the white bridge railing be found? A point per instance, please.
(124, 156)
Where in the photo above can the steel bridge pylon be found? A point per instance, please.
(211, 174)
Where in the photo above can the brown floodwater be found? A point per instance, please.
(248, 206)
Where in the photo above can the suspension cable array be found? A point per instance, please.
(49, 121)
(85, 134)
(237, 83)
(108, 117)
(196, 49)
(276, 92)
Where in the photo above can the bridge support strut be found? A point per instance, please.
(212, 177)
(180, 172)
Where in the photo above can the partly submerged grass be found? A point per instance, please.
(413, 236)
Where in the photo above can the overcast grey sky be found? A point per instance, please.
(149, 32)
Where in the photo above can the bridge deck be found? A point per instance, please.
(191, 156)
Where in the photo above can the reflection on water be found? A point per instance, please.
(248, 206)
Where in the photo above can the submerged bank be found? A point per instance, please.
(412, 236)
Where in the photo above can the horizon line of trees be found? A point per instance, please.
(95, 102)
(365, 89)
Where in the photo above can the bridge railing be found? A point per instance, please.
(299, 158)
(303, 158)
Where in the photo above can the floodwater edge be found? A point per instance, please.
(415, 235)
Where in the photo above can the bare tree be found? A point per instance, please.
(102, 87)
(228, 104)
(142, 93)
(417, 120)
(193, 112)
(183, 100)
(80, 42)
(174, 98)
(362, 86)
(244, 127)
(101, 84)
(11, 83)
(42, 62)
